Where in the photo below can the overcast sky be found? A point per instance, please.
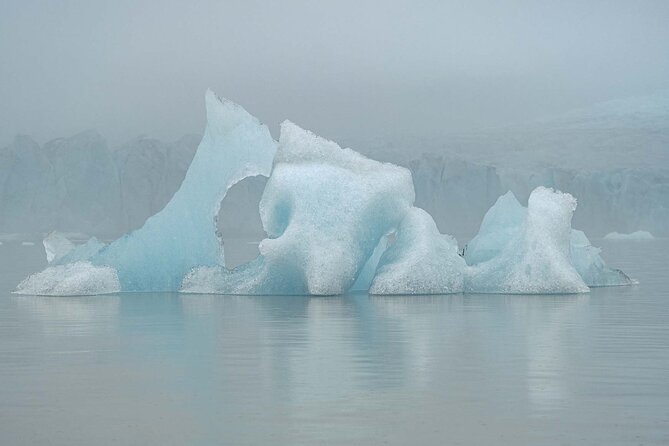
(344, 69)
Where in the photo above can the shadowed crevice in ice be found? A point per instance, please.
(183, 235)
(421, 261)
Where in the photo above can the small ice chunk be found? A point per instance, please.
(421, 261)
(537, 259)
(637, 235)
(56, 245)
(27, 243)
(72, 279)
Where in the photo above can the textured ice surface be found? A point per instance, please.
(183, 235)
(81, 252)
(591, 266)
(72, 279)
(501, 224)
(335, 220)
(421, 261)
(325, 210)
(638, 235)
(56, 245)
(537, 259)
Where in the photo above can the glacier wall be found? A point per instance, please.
(614, 157)
(457, 193)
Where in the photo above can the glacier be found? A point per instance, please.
(335, 221)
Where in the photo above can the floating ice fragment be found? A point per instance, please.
(637, 235)
(537, 259)
(72, 279)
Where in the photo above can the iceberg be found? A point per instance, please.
(637, 235)
(335, 221)
(504, 223)
(420, 261)
(182, 235)
(325, 210)
(537, 259)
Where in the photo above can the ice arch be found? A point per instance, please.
(183, 235)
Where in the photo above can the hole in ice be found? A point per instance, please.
(239, 222)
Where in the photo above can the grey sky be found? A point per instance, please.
(343, 69)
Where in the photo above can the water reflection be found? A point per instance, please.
(352, 369)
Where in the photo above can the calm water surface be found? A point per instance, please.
(477, 369)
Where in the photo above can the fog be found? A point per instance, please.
(346, 69)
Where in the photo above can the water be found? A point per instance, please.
(477, 369)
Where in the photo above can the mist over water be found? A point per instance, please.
(348, 69)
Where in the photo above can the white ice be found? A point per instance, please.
(325, 209)
(336, 221)
(420, 261)
(537, 259)
(503, 226)
(637, 235)
(56, 245)
(72, 279)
